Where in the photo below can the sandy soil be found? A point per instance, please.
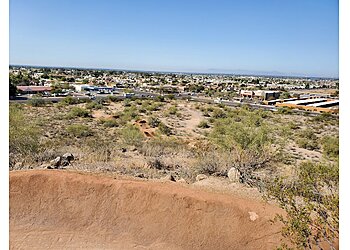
(70, 210)
(190, 124)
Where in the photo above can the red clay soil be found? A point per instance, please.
(52, 209)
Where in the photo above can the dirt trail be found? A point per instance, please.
(68, 210)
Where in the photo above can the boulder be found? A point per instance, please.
(233, 175)
(56, 162)
(68, 157)
(201, 177)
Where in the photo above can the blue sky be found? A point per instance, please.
(294, 37)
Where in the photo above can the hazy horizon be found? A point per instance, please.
(289, 38)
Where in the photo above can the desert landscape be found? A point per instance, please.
(155, 174)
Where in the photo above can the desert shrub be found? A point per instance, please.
(158, 146)
(37, 102)
(109, 123)
(69, 101)
(98, 149)
(307, 144)
(229, 134)
(210, 109)
(94, 105)
(170, 96)
(153, 121)
(23, 134)
(138, 102)
(323, 117)
(160, 98)
(248, 144)
(206, 113)
(262, 113)
(330, 146)
(203, 124)
(307, 139)
(213, 163)
(78, 112)
(221, 105)
(131, 135)
(293, 126)
(284, 110)
(164, 129)
(127, 103)
(218, 113)
(308, 134)
(157, 164)
(311, 203)
(79, 130)
(172, 110)
(113, 98)
(131, 112)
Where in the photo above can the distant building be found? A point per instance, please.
(261, 94)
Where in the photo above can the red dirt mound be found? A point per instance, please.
(68, 210)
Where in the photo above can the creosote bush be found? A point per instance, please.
(37, 102)
(23, 134)
(108, 123)
(78, 112)
(131, 135)
(330, 145)
(79, 130)
(203, 124)
(164, 129)
(248, 142)
(153, 122)
(94, 105)
(311, 203)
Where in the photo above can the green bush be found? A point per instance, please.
(172, 110)
(323, 117)
(284, 110)
(170, 96)
(307, 143)
(210, 109)
(153, 107)
(37, 102)
(78, 112)
(127, 103)
(330, 146)
(109, 123)
(230, 134)
(69, 101)
(23, 134)
(311, 205)
(153, 121)
(160, 98)
(93, 105)
(307, 139)
(164, 129)
(112, 98)
(131, 135)
(79, 130)
(218, 113)
(203, 124)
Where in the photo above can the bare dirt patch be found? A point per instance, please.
(70, 210)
